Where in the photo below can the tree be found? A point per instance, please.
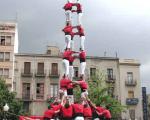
(98, 94)
(15, 106)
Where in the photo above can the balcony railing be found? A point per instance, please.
(130, 82)
(132, 101)
(26, 97)
(40, 73)
(110, 79)
(26, 73)
(54, 75)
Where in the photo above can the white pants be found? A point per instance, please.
(82, 68)
(84, 94)
(68, 15)
(65, 64)
(71, 72)
(68, 40)
(71, 99)
(80, 18)
(96, 119)
(78, 1)
(72, 45)
(82, 39)
(79, 118)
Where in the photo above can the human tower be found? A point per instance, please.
(68, 108)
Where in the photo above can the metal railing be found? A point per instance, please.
(130, 82)
(110, 79)
(132, 101)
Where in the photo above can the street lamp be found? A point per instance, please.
(5, 108)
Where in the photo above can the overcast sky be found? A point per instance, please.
(121, 26)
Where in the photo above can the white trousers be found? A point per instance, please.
(96, 119)
(65, 64)
(68, 41)
(72, 45)
(71, 72)
(68, 15)
(78, 1)
(80, 18)
(79, 118)
(82, 68)
(71, 99)
(82, 40)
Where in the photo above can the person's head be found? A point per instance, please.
(97, 104)
(85, 105)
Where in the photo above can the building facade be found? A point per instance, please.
(37, 77)
(8, 47)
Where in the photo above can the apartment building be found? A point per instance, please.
(8, 46)
(37, 78)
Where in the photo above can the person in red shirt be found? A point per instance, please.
(82, 57)
(79, 11)
(87, 112)
(49, 114)
(68, 11)
(82, 36)
(66, 109)
(64, 82)
(78, 110)
(66, 54)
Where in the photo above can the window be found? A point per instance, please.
(76, 72)
(7, 56)
(1, 56)
(40, 91)
(48, 51)
(1, 71)
(129, 76)
(130, 94)
(54, 90)
(27, 66)
(92, 72)
(132, 114)
(2, 40)
(110, 73)
(6, 72)
(26, 91)
(40, 69)
(54, 69)
(8, 40)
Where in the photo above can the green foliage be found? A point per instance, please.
(15, 106)
(98, 94)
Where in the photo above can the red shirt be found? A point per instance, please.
(83, 84)
(71, 58)
(68, 6)
(67, 112)
(48, 113)
(80, 31)
(99, 109)
(87, 112)
(82, 55)
(68, 29)
(56, 107)
(67, 54)
(107, 114)
(78, 108)
(64, 82)
(79, 7)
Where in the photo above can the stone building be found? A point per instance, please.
(8, 46)
(37, 78)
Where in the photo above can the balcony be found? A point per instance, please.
(110, 79)
(26, 73)
(40, 74)
(54, 75)
(132, 101)
(130, 82)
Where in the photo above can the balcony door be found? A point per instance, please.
(26, 91)
(54, 69)
(40, 69)
(110, 73)
(129, 77)
(27, 66)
